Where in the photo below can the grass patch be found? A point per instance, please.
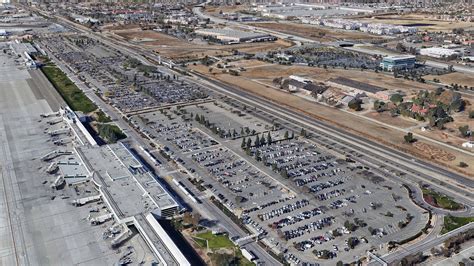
(451, 223)
(201, 242)
(439, 200)
(215, 241)
(78, 101)
(222, 250)
(73, 96)
(110, 133)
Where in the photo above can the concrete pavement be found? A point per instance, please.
(424, 245)
(380, 153)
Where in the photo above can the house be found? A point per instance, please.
(415, 108)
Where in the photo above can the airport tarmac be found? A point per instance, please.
(39, 225)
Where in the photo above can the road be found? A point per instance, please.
(423, 246)
(424, 171)
(199, 13)
(431, 63)
(207, 209)
(443, 172)
(117, 116)
(298, 39)
(372, 153)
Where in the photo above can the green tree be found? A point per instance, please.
(355, 104)
(303, 132)
(396, 98)
(223, 259)
(274, 166)
(249, 143)
(409, 138)
(284, 173)
(110, 133)
(379, 106)
(243, 145)
(464, 130)
(269, 138)
(257, 141)
(286, 135)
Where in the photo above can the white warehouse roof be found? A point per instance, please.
(230, 33)
(438, 51)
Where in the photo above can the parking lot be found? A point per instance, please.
(299, 195)
(126, 83)
(300, 198)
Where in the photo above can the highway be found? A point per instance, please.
(417, 169)
(198, 12)
(371, 153)
(371, 150)
(117, 116)
(460, 179)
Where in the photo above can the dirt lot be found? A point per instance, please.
(269, 71)
(385, 117)
(315, 32)
(118, 26)
(214, 10)
(175, 48)
(451, 134)
(357, 124)
(423, 22)
(456, 77)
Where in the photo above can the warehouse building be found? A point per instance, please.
(439, 52)
(232, 36)
(397, 62)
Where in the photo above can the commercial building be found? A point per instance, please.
(374, 28)
(397, 62)
(232, 36)
(439, 52)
